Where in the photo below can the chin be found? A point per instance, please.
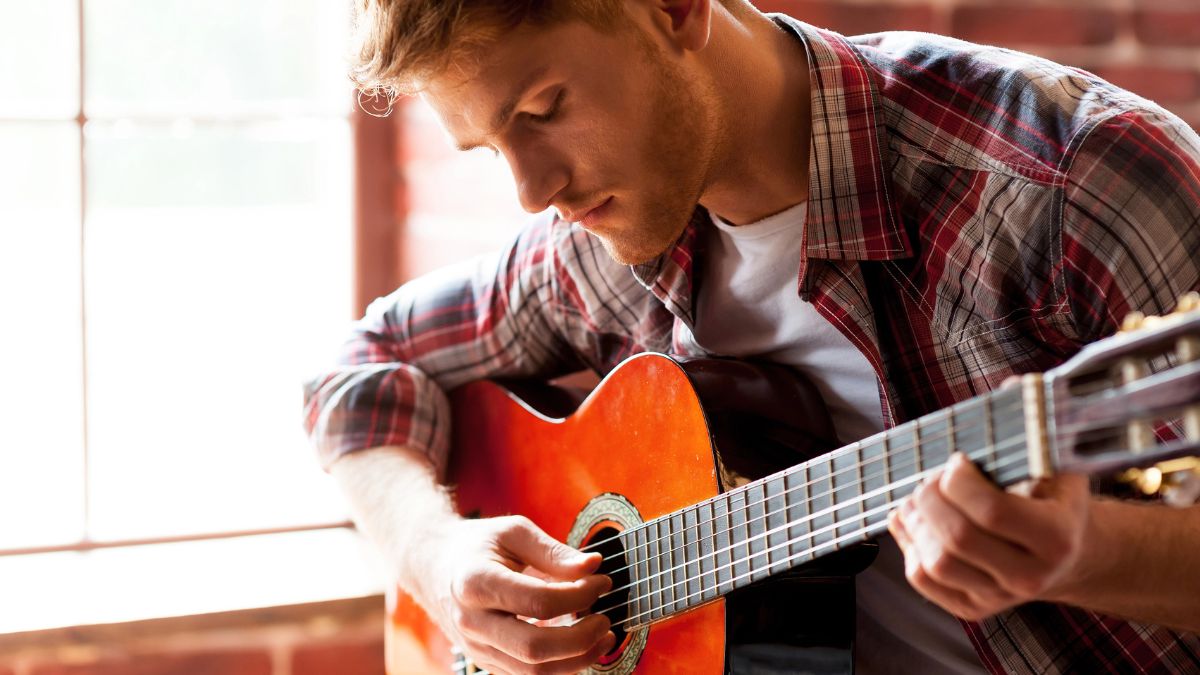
(626, 254)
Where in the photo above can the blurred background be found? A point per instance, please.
(192, 209)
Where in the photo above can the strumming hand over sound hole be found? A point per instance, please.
(615, 603)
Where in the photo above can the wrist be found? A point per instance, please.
(1096, 559)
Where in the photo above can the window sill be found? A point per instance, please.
(44, 592)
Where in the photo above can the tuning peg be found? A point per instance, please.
(1147, 481)
(1182, 486)
(1189, 302)
(1132, 322)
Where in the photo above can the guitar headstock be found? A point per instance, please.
(1105, 404)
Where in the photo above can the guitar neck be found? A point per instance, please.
(768, 526)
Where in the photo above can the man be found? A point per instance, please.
(908, 219)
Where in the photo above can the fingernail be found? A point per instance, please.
(608, 642)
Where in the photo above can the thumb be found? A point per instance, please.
(539, 550)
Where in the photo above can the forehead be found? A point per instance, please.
(466, 98)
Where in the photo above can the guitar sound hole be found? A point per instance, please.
(615, 605)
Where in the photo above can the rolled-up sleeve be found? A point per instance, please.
(494, 316)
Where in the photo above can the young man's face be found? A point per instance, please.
(604, 127)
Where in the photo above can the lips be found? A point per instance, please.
(590, 218)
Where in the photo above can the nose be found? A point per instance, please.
(539, 177)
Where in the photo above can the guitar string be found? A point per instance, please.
(831, 511)
(809, 551)
(746, 505)
(853, 535)
(1006, 408)
(887, 469)
(888, 448)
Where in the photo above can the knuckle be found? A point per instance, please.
(472, 588)
(959, 535)
(942, 566)
(459, 620)
(519, 522)
(1027, 585)
(539, 607)
(916, 575)
(991, 515)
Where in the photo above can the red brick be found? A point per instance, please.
(1168, 26)
(343, 658)
(1034, 25)
(200, 663)
(856, 18)
(1164, 85)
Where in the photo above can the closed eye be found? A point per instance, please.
(552, 111)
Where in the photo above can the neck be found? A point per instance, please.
(761, 85)
(692, 556)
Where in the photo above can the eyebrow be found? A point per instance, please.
(510, 104)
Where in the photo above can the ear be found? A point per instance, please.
(685, 23)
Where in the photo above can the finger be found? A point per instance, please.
(517, 593)
(896, 527)
(954, 601)
(1012, 517)
(942, 564)
(542, 644)
(531, 545)
(965, 540)
(496, 661)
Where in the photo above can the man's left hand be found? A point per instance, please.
(976, 550)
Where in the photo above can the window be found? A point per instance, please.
(176, 235)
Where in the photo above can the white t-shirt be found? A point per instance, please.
(748, 304)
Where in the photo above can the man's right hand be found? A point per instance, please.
(479, 579)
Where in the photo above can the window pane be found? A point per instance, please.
(217, 57)
(41, 400)
(39, 47)
(218, 276)
(446, 222)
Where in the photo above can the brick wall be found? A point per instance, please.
(343, 637)
(1151, 47)
(459, 205)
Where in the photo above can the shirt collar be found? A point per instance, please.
(851, 215)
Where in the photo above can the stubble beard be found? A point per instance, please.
(676, 150)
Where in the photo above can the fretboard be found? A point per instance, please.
(842, 498)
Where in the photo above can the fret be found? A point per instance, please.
(935, 440)
(916, 432)
(989, 432)
(858, 466)
(675, 556)
(741, 542)
(706, 540)
(821, 486)
(875, 478)
(777, 549)
(950, 440)
(969, 435)
(638, 573)
(804, 540)
(793, 511)
(756, 527)
(1009, 427)
(691, 554)
(887, 467)
(847, 493)
(658, 572)
(725, 543)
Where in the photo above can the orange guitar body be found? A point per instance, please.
(642, 434)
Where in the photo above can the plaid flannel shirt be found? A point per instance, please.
(974, 213)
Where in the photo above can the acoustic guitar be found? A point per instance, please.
(724, 517)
